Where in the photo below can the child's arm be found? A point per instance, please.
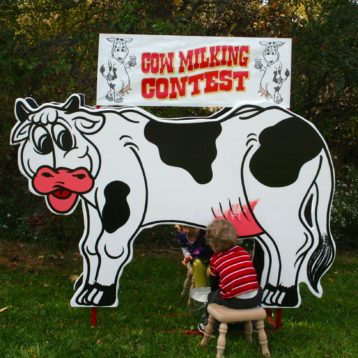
(187, 256)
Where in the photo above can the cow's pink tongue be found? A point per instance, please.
(62, 201)
(62, 193)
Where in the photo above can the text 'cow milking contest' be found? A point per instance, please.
(187, 83)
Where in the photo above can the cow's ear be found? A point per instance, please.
(73, 103)
(263, 43)
(20, 132)
(127, 40)
(111, 39)
(279, 43)
(90, 124)
(82, 99)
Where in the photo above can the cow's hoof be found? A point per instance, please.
(109, 98)
(81, 297)
(290, 298)
(100, 295)
(280, 296)
(118, 100)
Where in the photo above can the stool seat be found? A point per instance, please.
(229, 315)
(225, 315)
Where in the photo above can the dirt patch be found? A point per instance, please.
(35, 257)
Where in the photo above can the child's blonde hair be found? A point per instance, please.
(221, 235)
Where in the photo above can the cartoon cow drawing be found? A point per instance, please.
(271, 80)
(116, 74)
(262, 167)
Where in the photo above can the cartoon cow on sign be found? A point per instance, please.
(116, 74)
(271, 80)
(263, 168)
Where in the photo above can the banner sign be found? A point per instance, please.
(192, 71)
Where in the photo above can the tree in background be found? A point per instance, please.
(49, 51)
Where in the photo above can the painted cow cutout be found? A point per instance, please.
(117, 72)
(264, 168)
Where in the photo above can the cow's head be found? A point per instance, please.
(271, 53)
(55, 153)
(119, 48)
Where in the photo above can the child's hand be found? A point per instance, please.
(186, 259)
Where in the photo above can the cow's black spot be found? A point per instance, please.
(116, 209)
(190, 146)
(284, 148)
(114, 74)
(275, 77)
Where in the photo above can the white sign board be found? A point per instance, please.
(193, 71)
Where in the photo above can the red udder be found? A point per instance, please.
(62, 186)
(242, 218)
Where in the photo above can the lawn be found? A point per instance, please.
(152, 319)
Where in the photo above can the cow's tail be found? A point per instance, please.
(318, 208)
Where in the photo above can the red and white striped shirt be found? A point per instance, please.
(237, 274)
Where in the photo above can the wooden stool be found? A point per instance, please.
(188, 284)
(226, 315)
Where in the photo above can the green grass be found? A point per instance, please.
(152, 317)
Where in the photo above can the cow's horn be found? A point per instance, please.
(22, 110)
(73, 103)
(32, 102)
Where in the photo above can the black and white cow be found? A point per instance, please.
(264, 168)
(116, 73)
(272, 78)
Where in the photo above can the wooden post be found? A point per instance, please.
(93, 316)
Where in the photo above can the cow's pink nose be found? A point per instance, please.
(47, 180)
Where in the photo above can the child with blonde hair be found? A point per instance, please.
(232, 267)
(195, 251)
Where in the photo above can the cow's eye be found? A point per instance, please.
(63, 137)
(42, 140)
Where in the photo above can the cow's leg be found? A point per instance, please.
(115, 253)
(267, 263)
(87, 246)
(119, 93)
(281, 214)
(123, 209)
(111, 93)
(281, 287)
(277, 98)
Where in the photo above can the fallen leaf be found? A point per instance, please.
(73, 278)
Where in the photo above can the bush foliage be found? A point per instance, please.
(49, 51)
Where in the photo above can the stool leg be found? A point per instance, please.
(187, 282)
(221, 340)
(208, 331)
(190, 302)
(263, 338)
(248, 331)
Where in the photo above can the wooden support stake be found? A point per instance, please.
(93, 316)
